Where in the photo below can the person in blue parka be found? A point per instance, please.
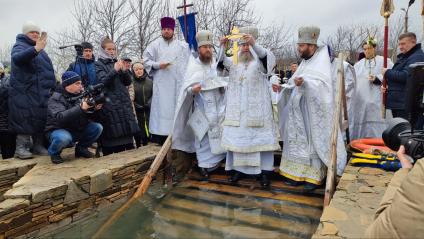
(32, 81)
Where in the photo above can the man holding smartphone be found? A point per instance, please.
(32, 82)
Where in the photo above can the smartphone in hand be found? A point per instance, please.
(43, 35)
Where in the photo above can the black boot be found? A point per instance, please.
(291, 182)
(83, 152)
(235, 177)
(310, 186)
(56, 159)
(265, 182)
(204, 172)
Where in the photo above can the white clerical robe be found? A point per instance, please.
(166, 82)
(207, 105)
(367, 121)
(306, 114)
(250, 132)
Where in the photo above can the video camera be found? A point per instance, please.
(95, 95)
(400, 132)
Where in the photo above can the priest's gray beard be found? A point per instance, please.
(205, 59)
(245, 57)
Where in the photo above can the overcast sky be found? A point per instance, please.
(55, 15)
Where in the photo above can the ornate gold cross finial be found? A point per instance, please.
(387, 8)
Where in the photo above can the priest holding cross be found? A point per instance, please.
(249, 129)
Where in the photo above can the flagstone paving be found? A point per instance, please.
(353, 206)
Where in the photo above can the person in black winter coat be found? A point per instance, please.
(143, 90)
(68, 120)
(116, 116)
(7, 138)
(32, 82)
(398, 76)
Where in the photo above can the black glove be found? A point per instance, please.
(376, 81)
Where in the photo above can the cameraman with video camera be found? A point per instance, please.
(84, 64)
(401, 211)
(68, 119)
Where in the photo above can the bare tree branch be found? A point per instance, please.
(5, 54)
(113, 19)
(146, 27)
(276, 38)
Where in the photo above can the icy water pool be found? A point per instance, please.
(195, 209)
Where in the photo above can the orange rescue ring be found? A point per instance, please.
(370, 145)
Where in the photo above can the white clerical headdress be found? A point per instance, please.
(308, 35)
(254, 31)
(204, 37)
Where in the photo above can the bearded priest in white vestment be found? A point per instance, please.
(165, 61)
(306, 112)
(250, 132)
(201, 108)
(367, 120)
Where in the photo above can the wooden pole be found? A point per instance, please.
(332, 167)
(345, 112)
(169, 170)
(142, 188)
(422, 19)
(387, 9)
(185, 21)
(385, 55)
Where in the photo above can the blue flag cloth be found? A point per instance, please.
(191, 30)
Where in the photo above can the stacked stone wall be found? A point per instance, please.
(29, 211)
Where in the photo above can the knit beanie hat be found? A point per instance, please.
(30, 27)
(87, 45)
(69, 78)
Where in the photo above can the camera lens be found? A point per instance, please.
(391, 134)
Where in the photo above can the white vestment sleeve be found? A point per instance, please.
(260, 51)
(149, 57)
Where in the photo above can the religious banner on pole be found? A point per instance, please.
(188, 25)
(189, 30)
